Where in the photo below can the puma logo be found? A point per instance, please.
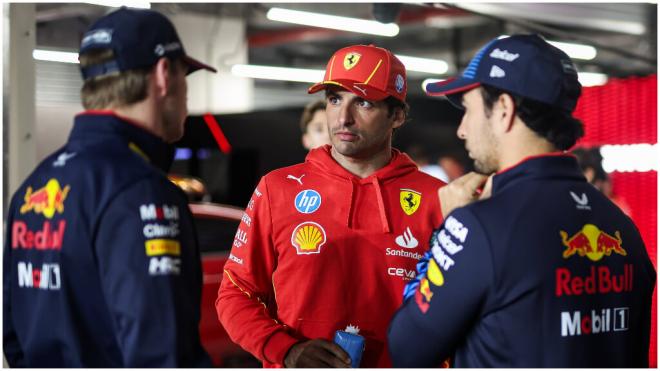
(363, 90)
(299, 180)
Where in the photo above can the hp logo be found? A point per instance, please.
(308, 201)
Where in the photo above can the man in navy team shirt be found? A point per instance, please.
(546, 272)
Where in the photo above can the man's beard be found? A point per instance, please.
(485, 167)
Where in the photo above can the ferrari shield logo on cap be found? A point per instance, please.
(351, 59)
(409, 200)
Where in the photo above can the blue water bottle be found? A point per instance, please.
(352, 343)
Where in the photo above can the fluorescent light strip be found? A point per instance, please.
(333, 22)
(54, 56)
(433, 66)
(592, 78)
(277, 73)
(117, 4)
(630, 157)
(575, 51)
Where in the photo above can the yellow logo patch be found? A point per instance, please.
(159, 247)
(308, 237)
(46, 200)
(409, 200)
(351, 59)
(592, 243)
(434, 274)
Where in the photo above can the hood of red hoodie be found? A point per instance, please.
(399, 165)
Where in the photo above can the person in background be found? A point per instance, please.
(452, 165)
(590, 161)
(419, 155)
(314, 126)
(329, 244)
(101, 266)
(540, 269)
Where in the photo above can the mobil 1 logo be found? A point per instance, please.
(576, 323)
(307, 201)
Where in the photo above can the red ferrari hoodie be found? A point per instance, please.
(319, 249)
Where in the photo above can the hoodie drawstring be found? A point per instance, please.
(381, 205)
(350, 205)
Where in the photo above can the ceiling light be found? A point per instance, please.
(630, 157)
(592, 78)
(434, 66)
(333, 22)
(430, 81)
(277, 73)
(55, 56)
(118, 4)
(575, 51)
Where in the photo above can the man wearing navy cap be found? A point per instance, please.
(546, 272)
(101, 263)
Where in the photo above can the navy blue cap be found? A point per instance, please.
(523, 65)
(138, 38)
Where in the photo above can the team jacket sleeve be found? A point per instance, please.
(11, 346)
(450, 296)
(151, 275)
(246, 298)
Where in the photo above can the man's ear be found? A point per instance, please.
(399, 118)
(505, 112)
(161, 77)
(306, 142)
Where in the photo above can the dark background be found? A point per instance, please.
(266, 140)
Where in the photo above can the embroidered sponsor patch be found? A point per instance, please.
(157, 247)
(46, 200)
(409, 200)
(308, 238)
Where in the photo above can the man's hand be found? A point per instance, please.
(462, 191)
(317, 353)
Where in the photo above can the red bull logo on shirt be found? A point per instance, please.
(46, 200)
(423, 295)
(592, 243)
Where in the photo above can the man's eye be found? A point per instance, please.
(333, 100)
(365, 104)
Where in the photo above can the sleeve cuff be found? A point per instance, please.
(277, 346)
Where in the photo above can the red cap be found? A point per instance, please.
(368, 71)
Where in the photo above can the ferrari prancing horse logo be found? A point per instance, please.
(351, 59)
(409, 200)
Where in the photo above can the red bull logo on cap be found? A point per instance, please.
(46, 200)
(592, 243)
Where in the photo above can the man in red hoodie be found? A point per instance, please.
(329, 244)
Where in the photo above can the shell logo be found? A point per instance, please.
(307, 238)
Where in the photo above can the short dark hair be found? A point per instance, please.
(555, 125)
(309, 111)
(114, 90)
(393, 103)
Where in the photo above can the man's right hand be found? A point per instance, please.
(463, 191)
(317, 353)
